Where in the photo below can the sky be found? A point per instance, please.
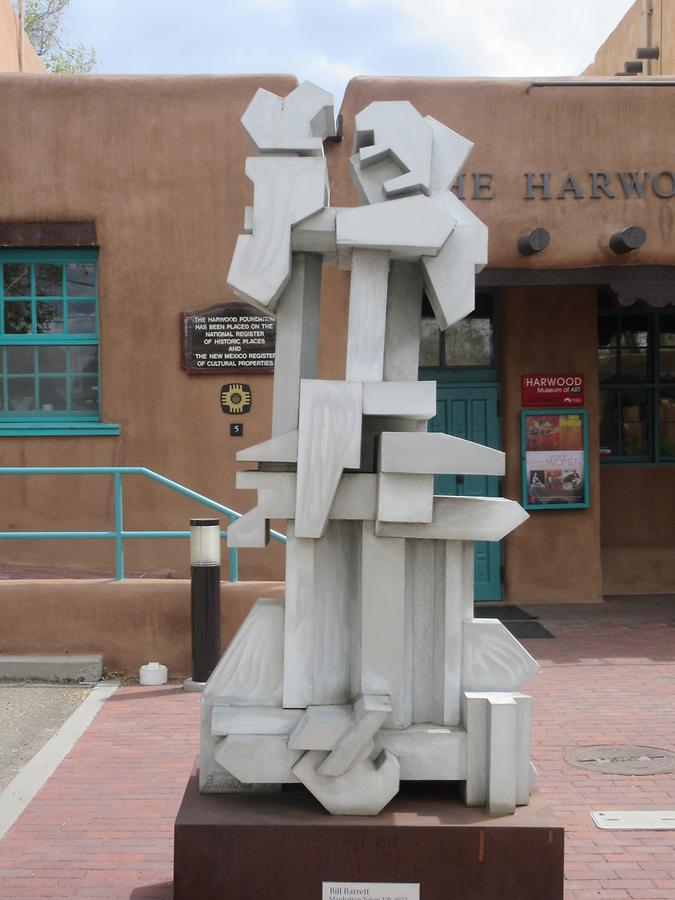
(330, 41)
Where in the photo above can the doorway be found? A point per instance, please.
(462, 362)
(472, 413)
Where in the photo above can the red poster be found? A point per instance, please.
(552, 390)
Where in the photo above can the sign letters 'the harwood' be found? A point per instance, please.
(591, 185)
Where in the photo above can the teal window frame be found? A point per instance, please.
(652, 385)
(43, 421)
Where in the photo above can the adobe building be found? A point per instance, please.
(121, 202)
(16, 54)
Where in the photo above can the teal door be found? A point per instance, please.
(472, 413)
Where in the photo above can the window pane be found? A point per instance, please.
(49, 280)
(20, 360)
(52, 359)
(21, 394)
(82, 317)
(49, 326)
(634, 337)
(49, 317)
(607, 348)
(84, 360)
(667, 349)
(81, 280)
(18, 317)
(607, 364)
(53, 394)
(469, 343)
(667, 422)
(609, 423)
(430, 343)
(634, 418)
(16, 280)
(84, 396)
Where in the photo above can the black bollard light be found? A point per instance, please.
(205, 600)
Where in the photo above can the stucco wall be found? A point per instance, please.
(158, 164)
(9, 43)
(517, 126)
(555, 555)
(665, 36)
(624, 40)
(638, 529)
(620, 46)
(130, 623)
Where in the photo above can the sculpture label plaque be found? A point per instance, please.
(357, 890)
(228, 337)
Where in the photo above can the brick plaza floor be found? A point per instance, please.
(102, 825)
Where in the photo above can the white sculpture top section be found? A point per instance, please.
(298, 123)
(287, 189)
(399, 152)
(395, 132)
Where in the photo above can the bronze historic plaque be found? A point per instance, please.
(227, 337)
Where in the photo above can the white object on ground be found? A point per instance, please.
(153, 673)
(635, 819)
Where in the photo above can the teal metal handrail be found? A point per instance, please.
(119, 535)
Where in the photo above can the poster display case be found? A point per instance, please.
(554, 448)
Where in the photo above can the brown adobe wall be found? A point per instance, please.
(624, 40)
(9, 44)
(555, 555)
(638, 529)
(130, 623)
(620, 46)
(158, 164)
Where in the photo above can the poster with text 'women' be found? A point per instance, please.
(554, 459)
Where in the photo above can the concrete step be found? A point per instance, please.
(51, 668)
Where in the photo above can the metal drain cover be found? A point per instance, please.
(617, 760)
(635, 820)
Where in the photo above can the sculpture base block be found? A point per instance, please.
(284, 845)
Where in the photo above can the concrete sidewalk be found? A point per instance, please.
(102, 825)
(31, 713)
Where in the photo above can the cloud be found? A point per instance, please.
(279, 5)
(332, 74)
(342, 71)
(507, 37)
(330, 42)
(283, 9)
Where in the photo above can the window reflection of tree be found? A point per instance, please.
(19, 318)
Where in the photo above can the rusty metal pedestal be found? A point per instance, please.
(283, 845)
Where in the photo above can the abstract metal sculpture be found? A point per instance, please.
(373, 669)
